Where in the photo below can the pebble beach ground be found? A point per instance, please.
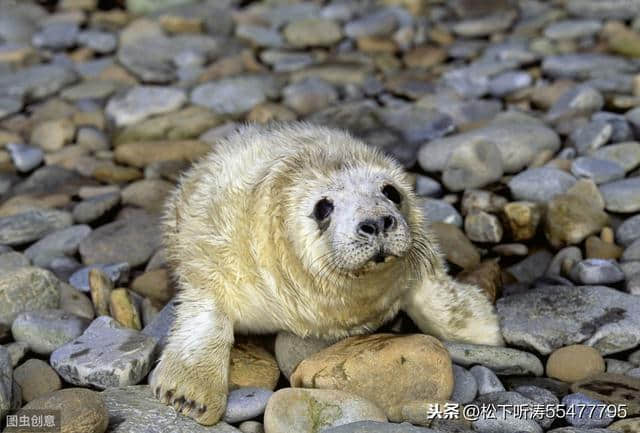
(519, 121)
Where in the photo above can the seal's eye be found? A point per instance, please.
(392, 194)
(322, 209)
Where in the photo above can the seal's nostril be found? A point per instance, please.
(388, 222)
(368, 227)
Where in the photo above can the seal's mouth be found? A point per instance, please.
(380, 258)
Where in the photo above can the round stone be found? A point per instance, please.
(246, 403)
(27, 289)
(473, 165)
(45, 331)
(36, 379)
(81, 410)
(574, 363)
(312, 32)
(144, 101)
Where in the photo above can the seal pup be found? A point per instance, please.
(303, 229)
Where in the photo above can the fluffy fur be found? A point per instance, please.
(250, 256)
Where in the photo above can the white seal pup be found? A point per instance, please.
(303, 229)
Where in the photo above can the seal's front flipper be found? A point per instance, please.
(454, 311)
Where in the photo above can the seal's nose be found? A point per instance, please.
(373, 227)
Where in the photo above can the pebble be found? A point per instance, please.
(632, 252)
(59, 243)
(600, 170)
(361, 357)
(98, 41)
(618, 367)
(36, 379)
(465, 385)
(522, 219)
(591, 136)
(312, 32)
(307, 410)
(251, 427)
(597, 271)
(13, 260)
(309, 95)
(571, 29)
(32, 225)
(36, 82)
(105, 244)
(148, 194)
(27, 289)
(6, 378)
(105, 355)
(583, 418)
(52, 135)
(486, 379)
(509, 82)
(483, 227)
(579, 315)
(81, 410)
(456, 247)
(233, 96)
(628, 231)
(17, 352)
(142, 102)
(377, 427)
(25, 158)
(290, 350)
(75, 302)
(134, 409)
(117, 272)
(44, 331)
(622, 195)
(532, 267)
(518, 141)
(472, 165)
(612, 388)
(380, 23)
(154, 284)
(502, 360)
(56, 36)
(93, 208)
(436, 210)
(252, 367)
(159, 327)
(575, 362)
(626, 154)
(540, 184)
(246, 403)
(427, 187)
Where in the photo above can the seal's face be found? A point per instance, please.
(360, 219)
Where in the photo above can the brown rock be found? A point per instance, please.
(123, 310)
(186, 123)
(521, 218)
(252, 366)
(454, 244)
(36, 379)
(612, 388)
(425, 57)
(361, 365)
(570, 218)
(270, 112)
(629, 425)
(487, 276)
(107, 171)
(22, 203)
(81, 410)
(53, 134)
(574, 363)
(313, 410)
(101, 286)
(143, 153)
(375, 44)
(155, 285)
(596, 248)
(149, 194)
